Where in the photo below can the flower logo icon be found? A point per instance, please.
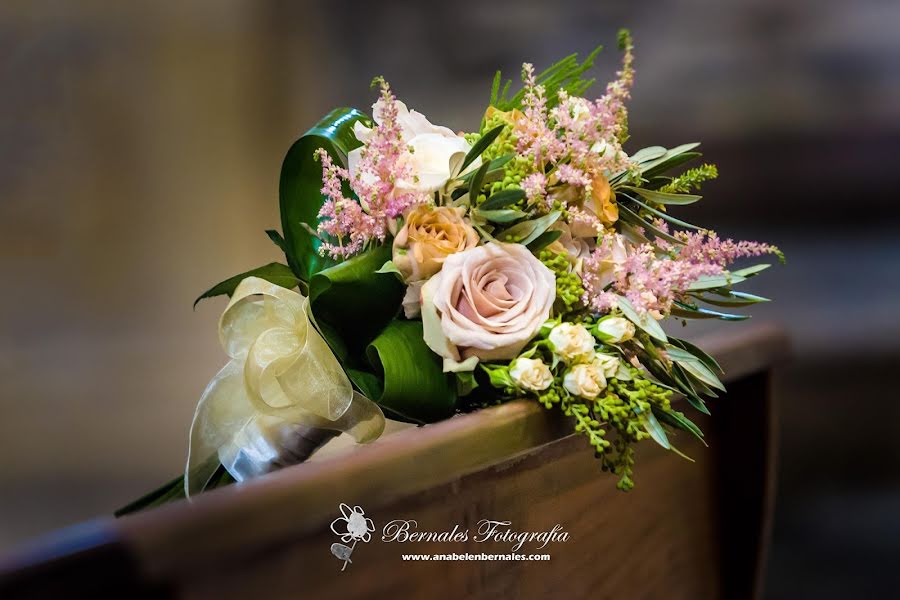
(353, 526)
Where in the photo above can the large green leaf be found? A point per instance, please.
(277, 273)
(415, 386)
(301, 183)
(352, 302)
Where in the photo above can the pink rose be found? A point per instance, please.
(486, 304)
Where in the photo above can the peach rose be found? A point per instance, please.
(428, 236)
(485, 304)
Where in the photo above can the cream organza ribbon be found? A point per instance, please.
(282, 380)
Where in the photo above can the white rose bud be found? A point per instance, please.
(531, 374)
(571, 342)
(615, 330)
(607, 363)
(584, 380)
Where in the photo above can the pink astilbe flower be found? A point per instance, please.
(653, 281)
(536, 138)
(535, 186)
(619, 90)
(341, 218)
(382, 164)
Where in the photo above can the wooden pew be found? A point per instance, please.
(688, 530)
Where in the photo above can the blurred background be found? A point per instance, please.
(140, 145)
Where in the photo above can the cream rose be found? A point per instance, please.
(584, 380)
(571, 342)
(430, 148)
(607, 363)
(615, 330)
(614, 253)
(485, 304)
(428, 236)
(531, 374)
(574, 248)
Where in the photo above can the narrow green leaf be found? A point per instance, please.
(276, 239)
(528, 231)
(647, 154)
(663, 197)
(702, 373)
(503, 215)
(686, 311)
(277, 273)
(495, 169)
(481, 145)
(645, 322)
(677, 420)
(707, 359)
(477, 181)
(632, 218)
(655, 430)
(661, 214)
(544, 240)
(503, 199)
(709, 282)
(729, 298)
(751, 271)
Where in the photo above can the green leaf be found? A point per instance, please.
(636, 220)
(477, 182)
(414, 382)
(751, 271)
(661, 214)
(352, 302)
(481, 145)
(277, 273)
(503, 215)
(663, 197)
(465, 383)
(528, 231)
(686, 311)
(390, 267)
(729, 298)
(705, 358)
(708, 282)
(672, 158)
(544, 240)
(701, 372)
(276, 239)
(503, 199)
(645, 322)
(677, 420)
(495, 169)
(647, 154)
(174, 490)
(301, 183)
(655, 430)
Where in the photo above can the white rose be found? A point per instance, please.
(531, 374)
(615, 330)
(607, 363)
(584, 380)
(485, 304)
(430, 148)
(571, 342)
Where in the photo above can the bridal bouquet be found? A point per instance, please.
(431, 272)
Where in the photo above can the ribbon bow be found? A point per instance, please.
(282, 381)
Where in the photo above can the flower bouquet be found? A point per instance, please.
(430, 272)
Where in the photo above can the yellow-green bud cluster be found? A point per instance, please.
(569, 288)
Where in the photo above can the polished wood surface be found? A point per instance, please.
(688, 530)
